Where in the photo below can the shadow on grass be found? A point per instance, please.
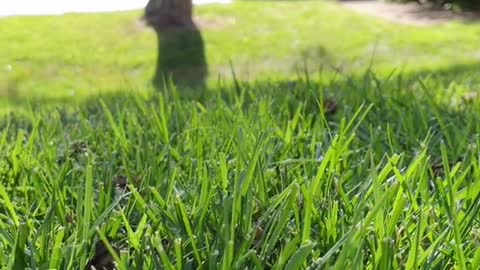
(181, 58)
(462, 75)
(181, 50)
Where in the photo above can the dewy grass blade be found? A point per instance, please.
(475, 264)
(88, 203)
(298, 259)
(188, 228)
(18, 254)
(252, 165)
(8, 204)
(178, 253)
(290, 249)
(132, 239)
(56, 256)
(158, 246)
(4, 133)
(284, 215)
(308, 213)
(142, 205)
(161, 120)
(453, 204)
(118, 132)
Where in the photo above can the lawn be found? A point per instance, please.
(70, 57)
(344, 167)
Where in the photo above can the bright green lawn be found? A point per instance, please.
(253, 175)
(76, 55)
(256, 178)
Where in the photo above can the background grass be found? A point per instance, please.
(74, 56)
(251, 173)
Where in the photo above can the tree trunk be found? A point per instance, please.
(181, 56)
(167, 15)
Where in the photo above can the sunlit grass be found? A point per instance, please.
(273, 171)
(72, 57)
(256, 177)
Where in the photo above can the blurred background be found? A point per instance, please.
(46, 7)
(74, 49)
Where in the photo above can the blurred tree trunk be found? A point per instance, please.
(181, 55)
(167, 15)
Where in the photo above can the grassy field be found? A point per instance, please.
(354, 169)
(71, 57)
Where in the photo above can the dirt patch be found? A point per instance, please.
(410, 14)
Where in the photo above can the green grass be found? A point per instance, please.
(250, 177)
(71, 57)
(253, 173)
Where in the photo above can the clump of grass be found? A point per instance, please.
(261, 175)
